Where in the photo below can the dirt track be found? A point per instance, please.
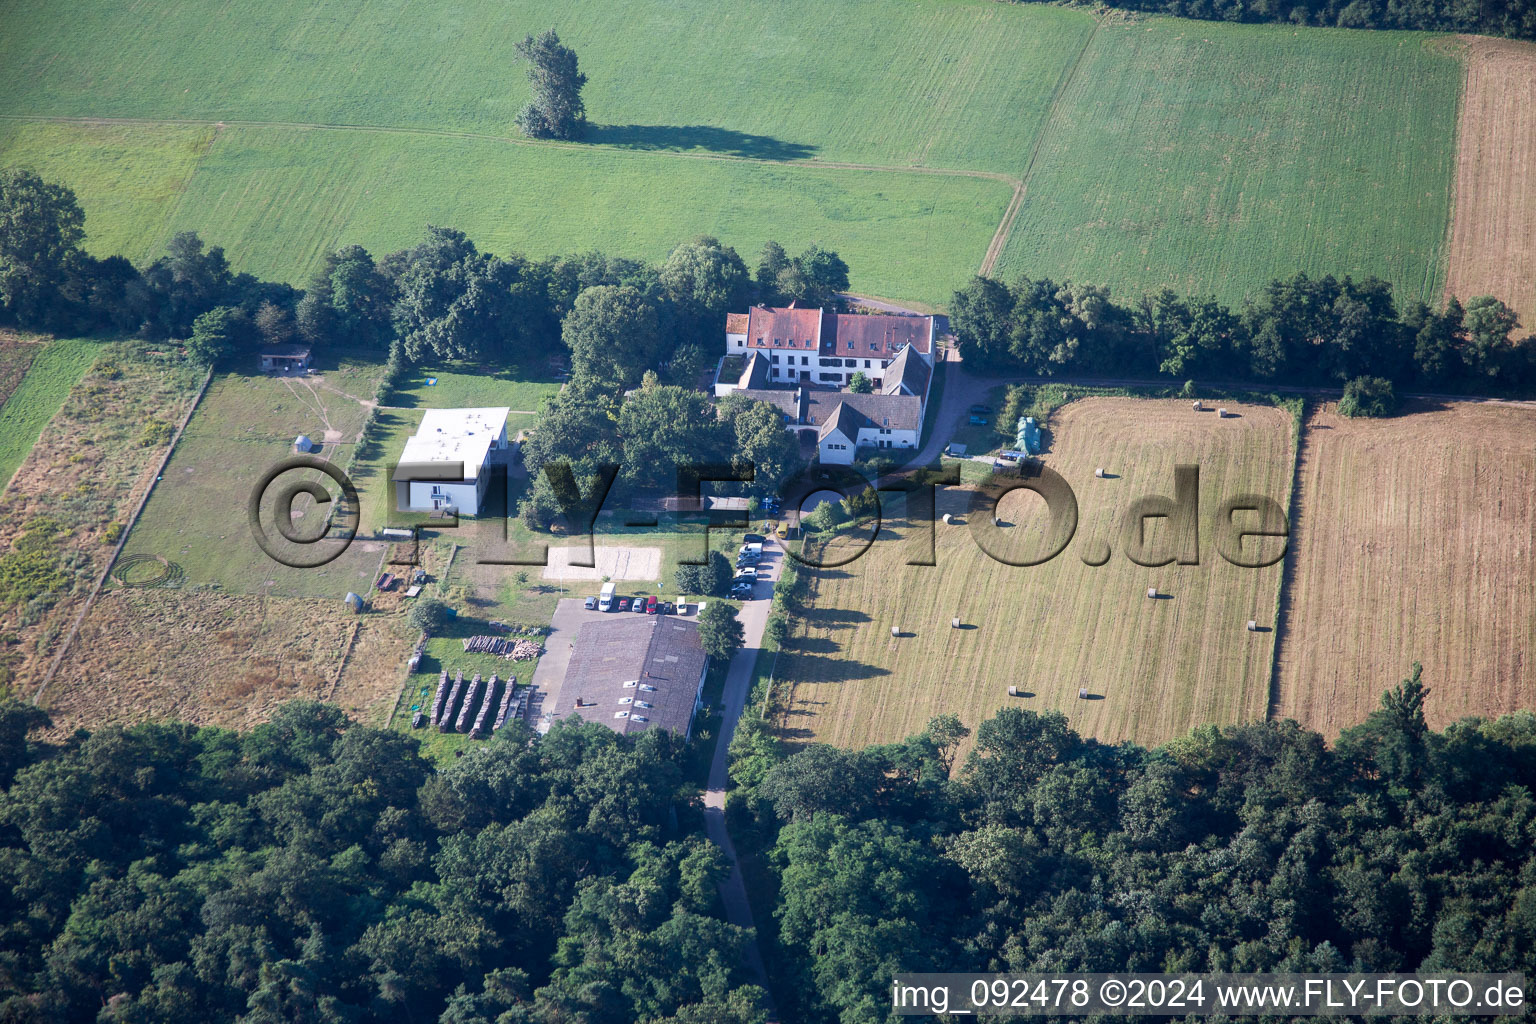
(1493, 227)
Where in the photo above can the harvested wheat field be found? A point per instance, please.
(1413, 543)
(223, 659)
(1153, 667)
(1493, 228)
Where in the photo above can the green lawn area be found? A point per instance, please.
(127, 177)
(462, 386)
(1195, 155)
(1207, 157)
(54, 370)
(196, 516)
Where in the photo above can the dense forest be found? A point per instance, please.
(317, 870)
(1513, 18)
(312, 870)
(1249, 848)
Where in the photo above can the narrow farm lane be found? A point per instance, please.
(738, 685)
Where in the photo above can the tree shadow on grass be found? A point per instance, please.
(724, 141)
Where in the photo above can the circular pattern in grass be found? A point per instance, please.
(147, 571)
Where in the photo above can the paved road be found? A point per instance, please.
(738, 682)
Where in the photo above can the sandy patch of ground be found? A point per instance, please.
(618, 563)
(1493, 227)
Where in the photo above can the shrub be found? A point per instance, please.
(428, 614)
(1368, 396)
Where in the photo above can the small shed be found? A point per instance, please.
(284, 359)
(302, 443)
(354, 602)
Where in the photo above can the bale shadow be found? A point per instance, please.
(1262, 629)
(1093, 696)
(1163, 597)
(725, 141)
(1109, 476)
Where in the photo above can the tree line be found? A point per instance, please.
(1515, 19)
(1252, 848)
(1299, 330)
(314, 871)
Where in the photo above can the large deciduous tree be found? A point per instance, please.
(41, 226)
(556, 110)
(720, 631)
(613, 335)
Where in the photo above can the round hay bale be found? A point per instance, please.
(1253, 626)
(1221, 413)
(1099, 472)
(1197, 406)
(1152, 592)
(1013, 691)
(954, 623)
(946, 518)
(895, 631)
(1082, 693)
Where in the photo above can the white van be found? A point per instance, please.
(605, 599)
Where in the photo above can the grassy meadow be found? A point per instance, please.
(196, 516)
(54, 371)
(1195, 155)
(1207, 157)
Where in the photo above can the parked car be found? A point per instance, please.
(650, 605)
(667, 608)
(754, 538)
(981, 410)
(623, 604)
(591, 604)
(639, 605)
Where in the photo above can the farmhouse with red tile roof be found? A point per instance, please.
(800, 359)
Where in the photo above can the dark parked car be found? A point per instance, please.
(754, 538)
(981, 410)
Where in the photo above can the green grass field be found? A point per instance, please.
(54, 370)
(468, 386)
(1207, 157)
(1207, 162)
(196, 516)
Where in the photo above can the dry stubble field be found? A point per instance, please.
(1493, 230)
(1413, 543)
(1154, 667)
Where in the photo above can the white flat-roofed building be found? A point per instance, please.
(445, 463)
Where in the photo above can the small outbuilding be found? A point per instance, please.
(303, 444)
(284, 359)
